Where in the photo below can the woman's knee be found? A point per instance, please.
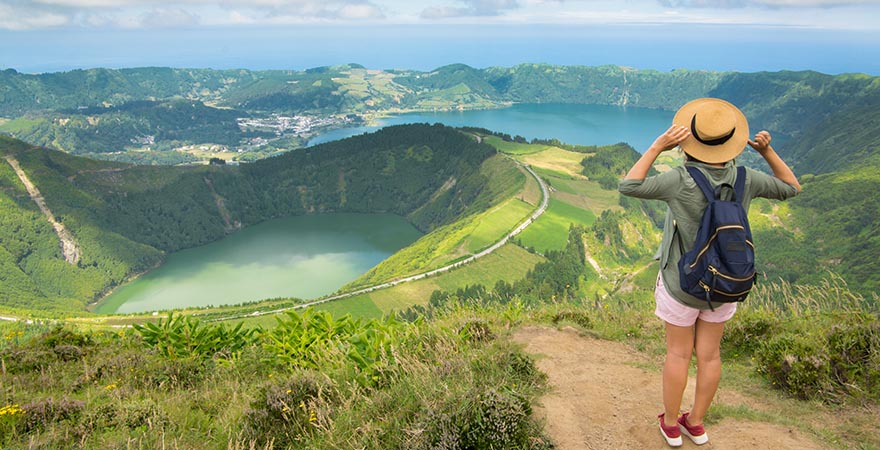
(707, 354)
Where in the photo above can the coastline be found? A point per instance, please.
(92, 305)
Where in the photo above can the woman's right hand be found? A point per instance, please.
(670, 139)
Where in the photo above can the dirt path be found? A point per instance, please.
(603, 397)
(69, 249)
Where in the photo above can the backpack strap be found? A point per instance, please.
(739, 186)
(702, 182)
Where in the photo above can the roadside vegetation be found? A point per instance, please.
(440, 375)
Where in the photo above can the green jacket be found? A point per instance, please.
(686, 204)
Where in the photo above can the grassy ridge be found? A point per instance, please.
(465, 236)
(508, 263)
(124, 217)
(452, 374)
(549, 232)
(314, 381)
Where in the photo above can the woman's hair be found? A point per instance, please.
(691, 158)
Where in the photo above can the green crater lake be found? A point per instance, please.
(304, 257)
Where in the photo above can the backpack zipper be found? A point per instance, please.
(712, 239)
(708, 289)
(718, 273)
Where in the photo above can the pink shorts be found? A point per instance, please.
(670, 310)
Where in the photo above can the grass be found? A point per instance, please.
(531, 193)
(73, 389)
(550, 231)
(514, 148)
(509, 263)
(556, 160)
(585, 194)
(19, 124)
(466, 236)
(363, 308)
(497, 222)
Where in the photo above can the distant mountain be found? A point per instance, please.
(827, 126)
(104, 110)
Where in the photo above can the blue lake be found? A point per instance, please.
(572, 124)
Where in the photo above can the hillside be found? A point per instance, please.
(467, 359)
(125, 218)
(169, 115)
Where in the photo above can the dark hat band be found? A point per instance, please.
(717, 141)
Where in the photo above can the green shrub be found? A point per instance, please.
(60, 343)
(483, 419)
(42, 413)
(476, 330)
(62, 335)
(579, 317)
(798, 364)
(21, 359)
(184, 336)
(744, 334)
(854, 349)
(140, 413)
(287, 410)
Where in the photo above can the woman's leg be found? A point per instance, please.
(708, 347)
(679, 348)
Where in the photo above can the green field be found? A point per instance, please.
(550, 231)
(497, 222)
(514, 148)
(584, 194)
(508, 263)
(455, 241)
(557, 160)
(18, 125)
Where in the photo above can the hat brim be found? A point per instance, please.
(712, 153)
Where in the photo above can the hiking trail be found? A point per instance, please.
(603, 395)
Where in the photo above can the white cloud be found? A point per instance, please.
(722, 4)
(360, 12)
(471, 8)
(15, 16)
(167, 18)
(31, 14)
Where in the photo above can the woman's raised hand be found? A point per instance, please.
(671, 138)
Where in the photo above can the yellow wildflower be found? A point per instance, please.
(10, 410)
(110, 387)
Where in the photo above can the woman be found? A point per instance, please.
(711, 132)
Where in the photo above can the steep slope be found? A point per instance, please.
(125, 217)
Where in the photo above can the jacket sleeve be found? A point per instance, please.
(768, 186)
(658, 187)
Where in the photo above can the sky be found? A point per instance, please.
(830, 36)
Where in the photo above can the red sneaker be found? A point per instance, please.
(671, 434)
(696, 432)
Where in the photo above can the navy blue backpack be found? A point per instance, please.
(721, 266)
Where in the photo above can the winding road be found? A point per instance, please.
(545, 194)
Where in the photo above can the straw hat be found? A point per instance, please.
(719, 130)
